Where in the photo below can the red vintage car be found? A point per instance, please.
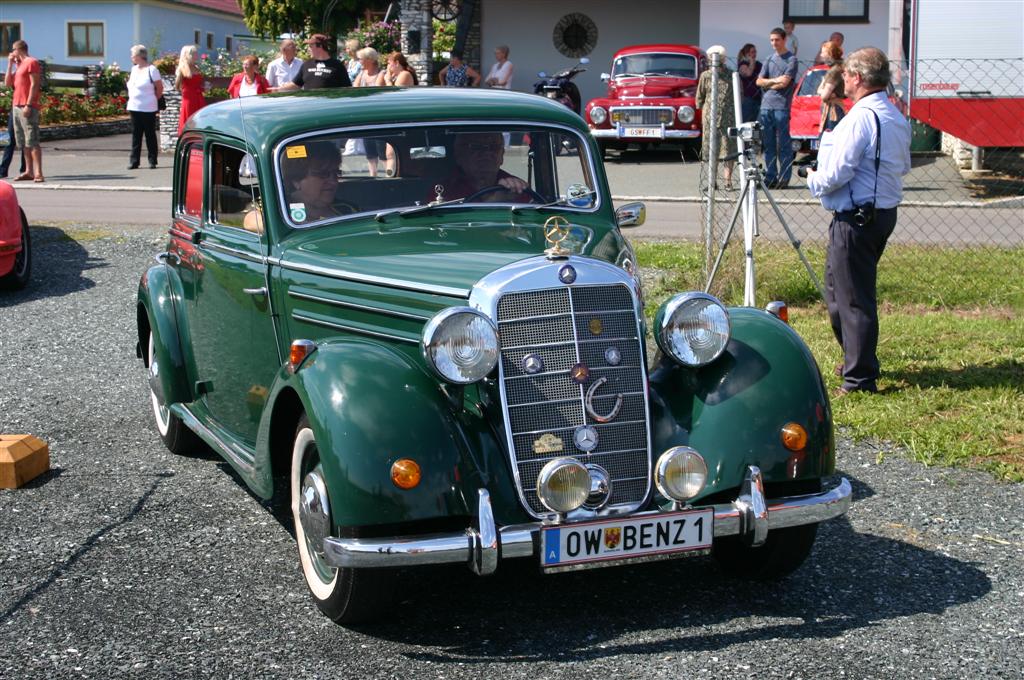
(15, 246)
(650, 100)
(805, 111)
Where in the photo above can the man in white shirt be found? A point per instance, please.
(859, 178)
(284, 69)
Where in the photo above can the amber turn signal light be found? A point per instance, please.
(300, 349)
(779, 310)
(405, 473)
(794, 437)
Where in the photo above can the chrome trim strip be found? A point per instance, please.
(565, 401)
(352, 329)
(232, 453)
(235, 252)
(518, 540)
(353, 305)
(371, 279)
(457, 122)
(570, 427)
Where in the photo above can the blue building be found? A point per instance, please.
(88, 32)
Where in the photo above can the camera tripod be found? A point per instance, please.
(753, 180)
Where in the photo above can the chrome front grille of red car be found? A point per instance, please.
(641, 115)
(565, 328)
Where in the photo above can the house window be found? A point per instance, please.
(85, 39)
(197, 36)
(209, 41)
(9, 32)
(817, 11)
(228, 44)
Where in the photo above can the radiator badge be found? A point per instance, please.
(595, 326)
(579, 373)
(589, 402)
(532, 363)
(613, 356)
(556, 230)
(585, 438)
(567, 274)
(547, 443)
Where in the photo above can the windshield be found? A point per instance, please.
(326, 177)
(809, 88)
(653, 64)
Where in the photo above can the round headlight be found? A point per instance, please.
(692, 328)
(461, 344)
(685, 114)
(598, 115)
(563, 485)
(681, 473)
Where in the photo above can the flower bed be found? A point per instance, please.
(71, 108)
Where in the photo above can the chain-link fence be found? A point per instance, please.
(963, 201)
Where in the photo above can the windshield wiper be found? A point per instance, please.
(380, 217)
(560, 203)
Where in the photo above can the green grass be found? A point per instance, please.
(951, 343)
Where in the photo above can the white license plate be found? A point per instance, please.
(814, 144)
(615, 540)
(652, 132)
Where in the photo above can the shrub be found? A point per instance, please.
(109, 79)
(444, 39)
(385, 37)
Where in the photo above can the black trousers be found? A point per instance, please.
(143, 123)
(851, 275)
(12, 146)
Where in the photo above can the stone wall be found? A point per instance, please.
(99, 128)
(168, 130)
(416, 16)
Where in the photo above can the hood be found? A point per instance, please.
(449, 257)
(652, 86)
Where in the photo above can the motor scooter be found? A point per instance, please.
(560, 86)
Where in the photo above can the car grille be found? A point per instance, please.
(564, 327)
(641, 115)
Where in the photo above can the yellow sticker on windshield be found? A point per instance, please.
(296, 151)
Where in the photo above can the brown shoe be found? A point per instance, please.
(22, 177)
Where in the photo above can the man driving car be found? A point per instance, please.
(478, 158)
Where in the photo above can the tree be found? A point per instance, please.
(271, 18)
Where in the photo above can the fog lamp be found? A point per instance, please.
(681, 473)
(563, 485)
(665, 116)
(794, 437)
(405, 473)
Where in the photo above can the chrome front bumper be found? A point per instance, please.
(480, 546)
(613, 133)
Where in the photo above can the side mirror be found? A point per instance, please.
(631, 215)
(605, 77)
(247, 174)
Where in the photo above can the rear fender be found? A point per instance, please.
(160, 297)
(732, 411)
(370, 405)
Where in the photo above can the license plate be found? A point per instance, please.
(814, 144)
(652, 132)
(625, 539)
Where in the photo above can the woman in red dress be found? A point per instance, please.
(189, 81)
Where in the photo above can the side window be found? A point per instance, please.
(234, 192)
(191, 194)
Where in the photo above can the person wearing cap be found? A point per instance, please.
(321, 70)
(725, 109)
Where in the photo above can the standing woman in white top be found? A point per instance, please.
(500, 75)
(145, 87)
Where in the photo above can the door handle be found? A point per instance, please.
(261, 291)
(168, 258)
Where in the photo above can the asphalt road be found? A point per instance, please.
(125, 560)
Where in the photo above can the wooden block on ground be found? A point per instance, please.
(22, 459)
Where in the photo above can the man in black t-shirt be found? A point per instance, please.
(321, 70)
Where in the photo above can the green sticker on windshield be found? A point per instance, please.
(297, 211)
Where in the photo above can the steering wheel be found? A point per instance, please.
(533, 195)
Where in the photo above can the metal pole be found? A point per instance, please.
(712, 160)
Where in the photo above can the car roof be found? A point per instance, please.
(268, 118)
(659, 47)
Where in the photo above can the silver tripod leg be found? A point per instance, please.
(793, 240)
(728, 234)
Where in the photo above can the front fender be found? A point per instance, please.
(732, 411)
(160, 297)
(370, 405)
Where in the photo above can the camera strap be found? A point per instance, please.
(878, 162)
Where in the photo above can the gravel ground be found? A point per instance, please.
(127, 561)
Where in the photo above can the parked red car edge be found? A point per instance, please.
(650, 98)
(15, 245)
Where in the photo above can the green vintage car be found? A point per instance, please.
(412, 315)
